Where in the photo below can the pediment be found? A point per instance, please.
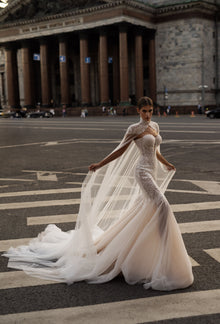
(24, 10)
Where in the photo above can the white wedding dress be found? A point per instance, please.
(125, 225)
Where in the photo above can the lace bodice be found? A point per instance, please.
(148, 144)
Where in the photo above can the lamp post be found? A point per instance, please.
(165, 98)
(203, 87)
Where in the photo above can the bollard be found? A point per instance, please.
(177, 114)
(192, 114)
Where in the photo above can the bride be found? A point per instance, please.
(125, 223)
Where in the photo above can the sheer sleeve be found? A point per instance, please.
(111, 190)
(163, 175)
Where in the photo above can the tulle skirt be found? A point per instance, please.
(145, 245)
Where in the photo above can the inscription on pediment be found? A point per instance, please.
(39, 28)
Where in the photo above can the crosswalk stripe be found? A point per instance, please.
(196, 206)
(34, 204)
(75, 183)
(62, 202)
(193, 192)
(195, 227)
(39, 192)
(193, 262)
(10, 179)
(141, 310)
(192, 227)
(18, 279)
(40, 220)
(214, 253)
(6, 244)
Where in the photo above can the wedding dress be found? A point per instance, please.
(125, 225)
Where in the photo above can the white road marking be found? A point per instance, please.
(18, 279)
(52, 219)
(212, 187)
(119, 120)
(63, 128)
(192, 227)
(20, 145)
(46, 171)
(34, 204)
(51, 143)
(75, 183)
(214, 253)
(6, 244)
(80, 173)
(196, 206)
(186, 142)
(115, 141)
(87, 141)
(10, 179)
(62, 202)
(72, 128)
(188, 131)
(39, 192)
(189, 191)
(193, 262)
(46, 176)
(195, 227)
(141, 310)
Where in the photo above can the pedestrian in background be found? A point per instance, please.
(64, 110)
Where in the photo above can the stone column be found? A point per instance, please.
(64, 73)
(116, 77)
(2, 85)
(103, 68)
(12, 77)
(123, 63)
(84, 71)
(44, 69)
(139, 77)
(152, 70)
(28, 77)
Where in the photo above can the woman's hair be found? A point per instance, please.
(144, 101)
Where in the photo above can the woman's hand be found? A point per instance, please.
(170, 167)
(93, 167)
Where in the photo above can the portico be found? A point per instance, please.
(79, 61)
(92, 53)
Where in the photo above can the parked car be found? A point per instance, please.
(213, 113)
(40, 114)
(6, 113)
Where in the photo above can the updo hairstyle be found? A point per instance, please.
(144, 101)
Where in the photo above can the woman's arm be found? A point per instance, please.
(168, 165)
(109, 158)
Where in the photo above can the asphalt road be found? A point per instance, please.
(43, 163)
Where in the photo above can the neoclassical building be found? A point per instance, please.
(90, 53)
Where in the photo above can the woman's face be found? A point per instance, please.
(146, 112)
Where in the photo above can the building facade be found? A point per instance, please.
(91, 53)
